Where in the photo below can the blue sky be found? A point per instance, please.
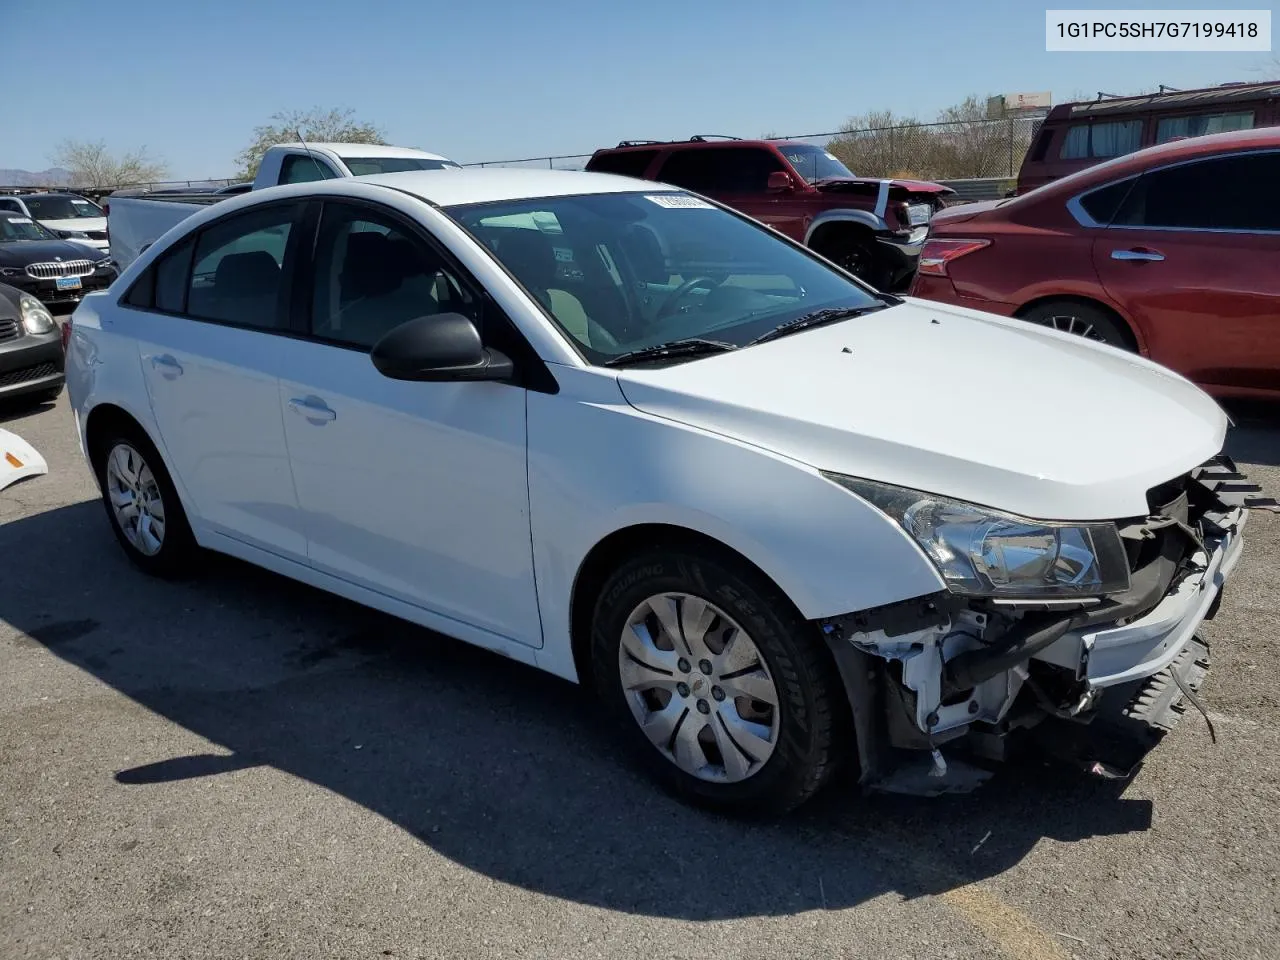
(504, 79)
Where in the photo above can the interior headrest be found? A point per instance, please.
(254, 273)
(529, 255)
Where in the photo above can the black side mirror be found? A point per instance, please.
(440, 347)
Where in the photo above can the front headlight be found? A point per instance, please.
(34, 315)
(985, 553)
(73, 235)
(103, 264)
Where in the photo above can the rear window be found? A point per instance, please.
(629, 163)
(1092, 140)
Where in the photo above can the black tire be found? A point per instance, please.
(856, 253)
(810, 741)
(1083, 319)
(178, 550)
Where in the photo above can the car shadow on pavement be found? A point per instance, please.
(501, 768)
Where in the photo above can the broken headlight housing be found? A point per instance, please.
(982, 552)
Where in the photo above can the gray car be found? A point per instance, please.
(31, 354)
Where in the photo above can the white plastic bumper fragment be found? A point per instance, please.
(18, 460)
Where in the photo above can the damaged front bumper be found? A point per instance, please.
(1096, 682)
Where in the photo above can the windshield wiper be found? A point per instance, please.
(816, 319)
(689, 347)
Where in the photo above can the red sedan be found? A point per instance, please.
(1173, 251)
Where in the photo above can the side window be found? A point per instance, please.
(163, 285)
(747, 169)
(1102, 204)
(300, 168)
(371, 275)
(696, 170)
(1171, 127)
(11, 205)
(628, 163)
(1099, 140)
(1041, 146)
(1225, 193)
(237, 275)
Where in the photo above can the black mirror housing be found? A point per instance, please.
(441, 347)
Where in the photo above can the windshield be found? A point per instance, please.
(620, 272)
(13, 229)
(813, 163)
(369, 166)
(62, 208)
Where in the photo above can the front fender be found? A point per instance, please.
(864, 218)
(599, 467)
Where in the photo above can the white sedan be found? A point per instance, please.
(780, 521)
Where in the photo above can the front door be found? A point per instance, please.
(208, 317)
(415, 490)
(1193, 256)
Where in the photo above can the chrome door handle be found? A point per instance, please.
(313, 408)
(169, 368)
(1136, 255)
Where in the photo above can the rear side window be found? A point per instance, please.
(1099, 140)
(163, 285)
(629, 163)
(1103, 203)
(238, 272)
(1225, 193)
(298, 168)
(1040, 147)
(1171, 127)
(721, 170)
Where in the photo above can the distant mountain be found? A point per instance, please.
(54, 176)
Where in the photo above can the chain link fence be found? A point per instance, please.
(962, 150)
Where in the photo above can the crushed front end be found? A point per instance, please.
(939, 682)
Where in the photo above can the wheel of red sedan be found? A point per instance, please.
(1082, 320)
(724, 691)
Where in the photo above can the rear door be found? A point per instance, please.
(210, 320)
(1193, 256)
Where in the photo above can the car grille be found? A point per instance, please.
(8, 329)
(27, 374)
(66, 268)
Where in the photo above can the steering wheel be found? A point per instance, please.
(682, 291)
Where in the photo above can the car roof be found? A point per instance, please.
(1161, 155)
(485, 185)
(695, 143)
(357, 150)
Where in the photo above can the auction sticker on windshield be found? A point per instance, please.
(679, 201)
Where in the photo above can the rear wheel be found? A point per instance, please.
(1082, 320)
(725, 693)
(142, 503)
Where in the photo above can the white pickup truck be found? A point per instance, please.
(135, 222)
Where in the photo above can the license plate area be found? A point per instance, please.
(67, 283)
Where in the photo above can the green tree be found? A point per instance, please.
(92, 165)
(314, 126)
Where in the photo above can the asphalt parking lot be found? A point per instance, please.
(243, 767)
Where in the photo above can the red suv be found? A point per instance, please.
(1172, 251)
(872, 228)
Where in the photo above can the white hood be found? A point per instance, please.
(954, 402)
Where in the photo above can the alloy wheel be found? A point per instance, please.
(1069, 323)
(699, 688)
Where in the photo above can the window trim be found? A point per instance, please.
(287, 268)
(1082, 217)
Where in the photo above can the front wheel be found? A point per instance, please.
(725, 692)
